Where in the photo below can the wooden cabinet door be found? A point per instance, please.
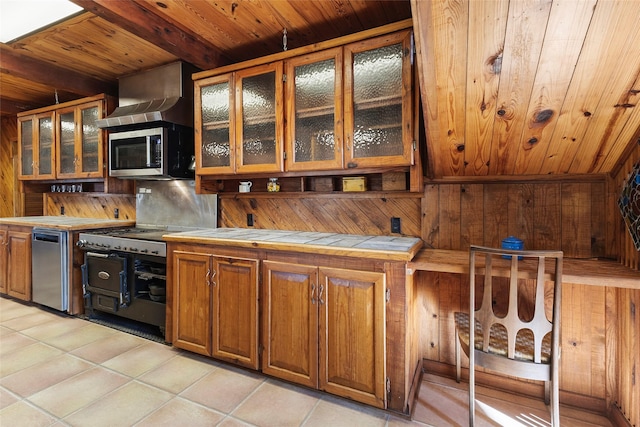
(235, 310)
(45, 146)
(192, 302)
(378, 118)
(26, 152)
(19, 265)
(352, 334)
(290, 322)
(313, 104)
(66, 131)
(259, 119)
(214, 125)
(4, 258)
(80, 146)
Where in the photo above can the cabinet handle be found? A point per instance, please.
(206, 278)
(320, 300)
(212, 277)
(313, 294)
(348, 143)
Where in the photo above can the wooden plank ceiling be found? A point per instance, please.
(509, 87)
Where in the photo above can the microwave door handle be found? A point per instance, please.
(148, 138)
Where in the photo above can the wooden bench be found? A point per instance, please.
(594, 272)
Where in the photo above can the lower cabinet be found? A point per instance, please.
(215, 306)
(15, 262)
(327, 322)
(324, 328)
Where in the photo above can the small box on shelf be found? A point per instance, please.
(354, 183)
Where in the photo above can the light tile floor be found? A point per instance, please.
(57, 370)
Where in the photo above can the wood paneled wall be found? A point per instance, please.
(547, 215)
(623, 335)
(361, 214)
(8, 134)
(91, 205)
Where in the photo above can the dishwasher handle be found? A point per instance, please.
(46, 237)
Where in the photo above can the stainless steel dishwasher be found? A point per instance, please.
(50, 268)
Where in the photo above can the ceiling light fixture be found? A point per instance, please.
(19, 18)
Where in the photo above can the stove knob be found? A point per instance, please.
(144, 251)
(117, 247)
(133, 249)
(81, 243)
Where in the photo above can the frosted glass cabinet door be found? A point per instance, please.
(67, 140)
(378, 113)
(314, 111)
(90, 135)
(214, 125)
(27, 161)
(259, 123)
(45, 157)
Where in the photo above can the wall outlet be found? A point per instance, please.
(249, 220)
(61, 210)
(116, 213)
(395, 225)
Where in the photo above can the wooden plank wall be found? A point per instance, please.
(91, 205)
(8, 135)
(546, 215)
(362, 214)
(626, 394)
(623, 333)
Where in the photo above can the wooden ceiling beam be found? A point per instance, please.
(11, 107)
(46, 73)
(141, 21)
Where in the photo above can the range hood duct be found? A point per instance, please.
(160, 95)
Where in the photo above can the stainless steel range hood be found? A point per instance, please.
(162, 94)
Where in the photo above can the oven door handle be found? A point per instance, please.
(97, 255)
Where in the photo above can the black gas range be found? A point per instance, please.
(124, 273)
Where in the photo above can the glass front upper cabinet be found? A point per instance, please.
(37, 153)
(238, 121)
(313, 91)
(80, 153)
(378, 102)
(214, 128)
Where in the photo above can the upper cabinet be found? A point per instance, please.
(337, 107)
(36, 148)
(80, 141)
(63, 141)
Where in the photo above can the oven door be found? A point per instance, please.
(136, 153)
(104, 281)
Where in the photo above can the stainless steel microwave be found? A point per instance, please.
(160, 152)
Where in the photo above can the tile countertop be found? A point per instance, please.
(63, 222)
(378, 247)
